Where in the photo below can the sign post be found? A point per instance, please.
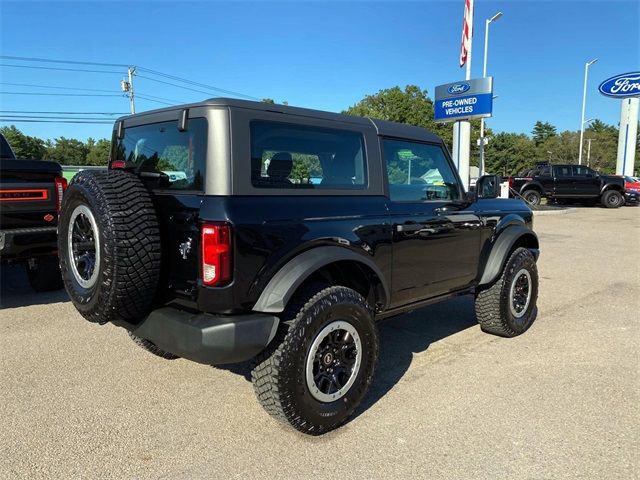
(458, 101)
(626, 87)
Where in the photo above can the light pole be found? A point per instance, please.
(584, 104)
(482, 140)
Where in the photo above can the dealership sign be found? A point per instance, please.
(464, 100)
(621, 86)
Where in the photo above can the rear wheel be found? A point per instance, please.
(109, 246)
(612, 199)
(532, 197)
(43, 274)
(321, 368)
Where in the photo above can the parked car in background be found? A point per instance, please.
(569, 183)
(30, 199)
(632, 183)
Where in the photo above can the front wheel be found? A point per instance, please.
(508, 307)
(612, 199)
(320, 372)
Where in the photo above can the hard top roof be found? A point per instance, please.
(383, 127)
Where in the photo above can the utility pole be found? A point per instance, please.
(482, 141)
(588, 152)
(584, 103)
(127, 88)
(131, 71)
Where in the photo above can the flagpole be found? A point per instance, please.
(462, 129)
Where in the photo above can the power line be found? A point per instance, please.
(54, 86)
(173, 84)
(201, 85)
(162, 98)
(52, 117)
(63, 94)
(58, 68)
(11, 120)
(66, 113)
(32, 59)
(143, 97)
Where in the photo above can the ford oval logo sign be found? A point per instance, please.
(621, 86)
(458, 88)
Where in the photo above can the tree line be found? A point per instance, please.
(506, 153)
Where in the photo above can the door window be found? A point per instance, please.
(563, 171)
(286, 156)
(580, 171)
(419, 172)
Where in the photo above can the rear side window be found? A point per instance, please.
(286, 156)
(563, 171)
(419, 172)
(162, 148)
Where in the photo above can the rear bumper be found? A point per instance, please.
(24, 243)
(206, 338)
(631, 197)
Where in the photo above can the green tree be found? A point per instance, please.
(98, 151)
(509, 153)
(23, 145)
(411, 105)
(542, 131)
(68, 151)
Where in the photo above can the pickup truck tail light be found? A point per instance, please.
(61, 186)
(510, 182)
(217, 264)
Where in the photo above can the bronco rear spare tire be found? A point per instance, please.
(109, 246)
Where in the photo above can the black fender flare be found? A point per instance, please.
(501, 248)
(532, 185)
(286, 281)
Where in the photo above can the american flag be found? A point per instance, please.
(467, 31)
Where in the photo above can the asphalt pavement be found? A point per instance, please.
(562, 401)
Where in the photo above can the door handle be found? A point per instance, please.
(409, 227)
(450, 207)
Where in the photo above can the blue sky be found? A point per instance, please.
(325, 55)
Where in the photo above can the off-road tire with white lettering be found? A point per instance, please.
(278, 375)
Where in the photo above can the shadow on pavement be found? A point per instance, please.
(400, 338)
(15, 290)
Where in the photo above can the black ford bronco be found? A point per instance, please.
(229, 230)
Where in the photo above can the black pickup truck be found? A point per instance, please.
(563, 183)
(30, 198)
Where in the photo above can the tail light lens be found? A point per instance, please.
(510, 182)
(61, 186)
(216, 254)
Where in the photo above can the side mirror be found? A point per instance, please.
(488, 186)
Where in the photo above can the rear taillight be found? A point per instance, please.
(510, 182)
(216, 254)
(118, 164)
(61, 186)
